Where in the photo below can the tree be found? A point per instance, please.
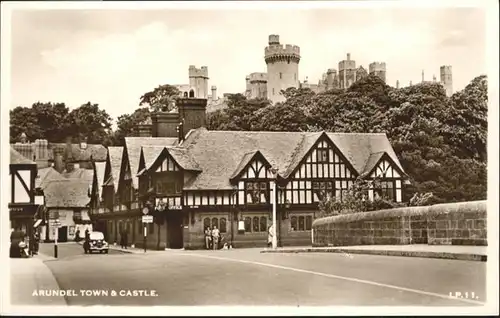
(127, 124)
(161, 98)
(91, 123)
(40, 121)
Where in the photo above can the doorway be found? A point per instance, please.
(62, 234)
(175, 231)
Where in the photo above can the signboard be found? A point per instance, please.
(241, 225)
(147, 219)
(175, 207)
(55, 223)
(145, 211)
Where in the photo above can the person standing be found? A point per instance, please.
(270, 236)
(208, 237)
(125, 239)
(215, 238)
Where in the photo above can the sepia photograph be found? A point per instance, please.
(249, 158)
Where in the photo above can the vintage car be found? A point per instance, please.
(96, 243)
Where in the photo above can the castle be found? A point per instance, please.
(283, 72)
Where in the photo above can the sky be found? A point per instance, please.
(112, 57)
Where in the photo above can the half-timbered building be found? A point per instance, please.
(224, 179)
(22, 205)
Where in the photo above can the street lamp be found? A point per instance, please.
(274, 173)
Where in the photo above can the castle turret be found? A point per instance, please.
(446, 79)
(214, 93)
(347, 72)
(198, 81)
(258, 85)
(332, 80)
(282, 67)
(378, 69)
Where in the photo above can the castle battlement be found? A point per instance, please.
(281, 49)
(445, 69)
(331, 71)
(377, 67)
(198, 72)
(257, 77)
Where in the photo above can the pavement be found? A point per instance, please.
(456, 252)
(30, 277)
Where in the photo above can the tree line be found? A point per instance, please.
(440, 140)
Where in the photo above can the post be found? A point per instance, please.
(145, 236)
(275, 203)
(56, 237)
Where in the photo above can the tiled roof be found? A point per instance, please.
(183, 159)
(98, 152)
(219, 153)
(16, 158)
(115, 160)
(244, 161)
(371, 162)
(133, 147)
(150, 153)
(66, 193)
(82, 174)
(358, 147)
(45, 175)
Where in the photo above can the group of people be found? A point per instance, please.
(214, 239)
(20, 243)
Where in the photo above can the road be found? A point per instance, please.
(65, 250)
(247, 277)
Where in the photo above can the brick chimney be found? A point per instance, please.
(145, 128)
(193, 113)
(68, 155)
(164, 124)
(41, 148)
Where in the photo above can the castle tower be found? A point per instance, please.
(258, 85)
(446, 79)
(347, 72)
(214, 93)
(248, 87)
(198, 81)
(378, 69)
(282, 67)
(332, 80)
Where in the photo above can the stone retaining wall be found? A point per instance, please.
(453, 224)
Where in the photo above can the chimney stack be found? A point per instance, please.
(164, 124)
(397, 84)
(145, 128)
(348, 56)
(69, 154)
(192, 111)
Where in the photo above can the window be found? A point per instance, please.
(322, 155)
(167, 187)
(293, 222)
(308, 223)
(215, 222)
(248, 224)
(191, 93)
(386, 190)
(223, 225)
(301, 222)
(322, 189)
(263, 224)
(256, 192)
(281, 75)
(207, 222)
(256, 224)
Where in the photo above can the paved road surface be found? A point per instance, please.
(247, 277)
(65, 250)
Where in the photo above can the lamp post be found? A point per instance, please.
(274, 172)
